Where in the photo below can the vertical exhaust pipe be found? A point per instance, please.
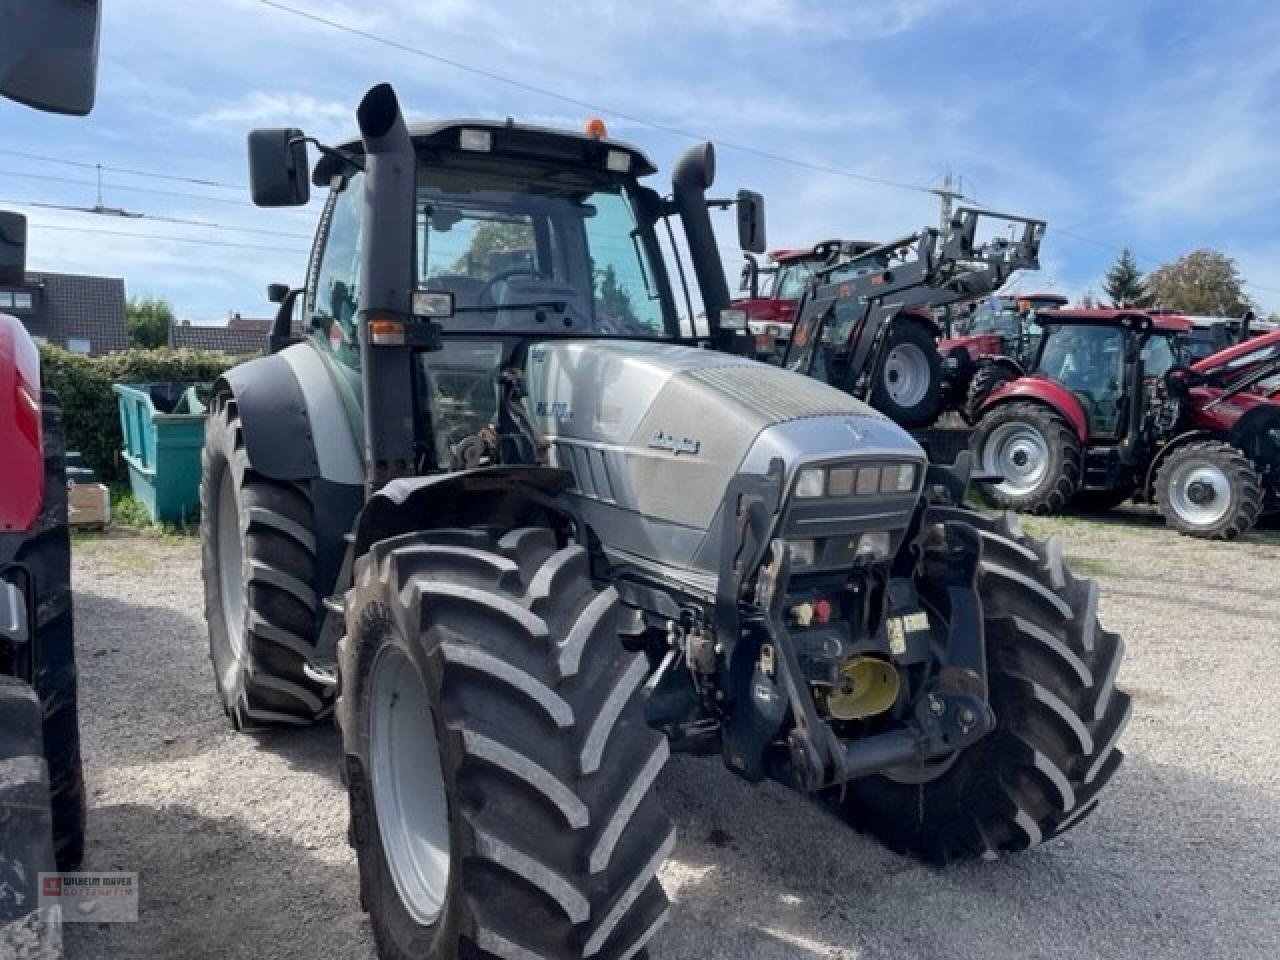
(386, 280)
(693, 175)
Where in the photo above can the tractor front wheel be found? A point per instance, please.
(500, 770)
(1209, 489)
(1036, 452)
(908, 385)
(1051, 671)
(258, 553)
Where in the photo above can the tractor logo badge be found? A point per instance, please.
(667, 441)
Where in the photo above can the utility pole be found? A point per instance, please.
(946, 194)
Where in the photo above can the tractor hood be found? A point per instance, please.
(653, 433)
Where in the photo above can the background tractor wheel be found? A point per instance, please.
(908, 386)
(258, 551)
(1051, 673)
(1209, 489)
(498, 761)
(1036, 452)
(990, 375)
(26, 828)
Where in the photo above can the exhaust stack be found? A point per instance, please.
(693, 175)
(386, 279)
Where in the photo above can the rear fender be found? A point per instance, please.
(503, 497)
(1041, 390)
(21, 439)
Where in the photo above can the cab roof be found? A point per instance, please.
(1114, 316)
(508, 139)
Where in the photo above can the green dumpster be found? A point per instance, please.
(163, 428)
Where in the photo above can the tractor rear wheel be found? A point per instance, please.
(1051, 675)
(498, 761)
(1037, 453)
(258, 552)
(908, 386)
(1209, 489)
(26, 826)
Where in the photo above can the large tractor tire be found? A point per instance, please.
(498, 761)
(45, 551)
(1051, 676)
(991, 374)
(26, 826)
(258, 551)
(907, 387)
(1209, 489)
(1037, 453)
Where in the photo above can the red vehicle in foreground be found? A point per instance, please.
(1107, 413)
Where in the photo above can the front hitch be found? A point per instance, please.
(950, 714)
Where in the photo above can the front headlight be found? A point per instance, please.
(843, 480)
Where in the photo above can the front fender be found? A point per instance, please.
(1042, 390)
(502, 497)
(21, 441)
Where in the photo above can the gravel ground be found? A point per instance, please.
(241, 848)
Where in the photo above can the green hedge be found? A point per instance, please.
(83, 385)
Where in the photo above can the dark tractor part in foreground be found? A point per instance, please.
(1108, 413)
(524, 537)
(865, 324)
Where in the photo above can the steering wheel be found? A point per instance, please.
(485, 291)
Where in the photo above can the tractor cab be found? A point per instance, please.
(1001, 327)
(774, 291)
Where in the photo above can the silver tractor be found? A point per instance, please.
(505, 512)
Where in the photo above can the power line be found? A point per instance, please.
(593, 107)
(49, 178)
(131, 215)
(151, 236)
(155, 175)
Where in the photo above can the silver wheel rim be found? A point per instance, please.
(906, 375)
(231, 563)
(1020, 454)
(1200, 493)
(408, 785)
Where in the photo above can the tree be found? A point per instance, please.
(1203, 282)
(612, 297)
(1124, 283)
(490, 239)
(148, 321)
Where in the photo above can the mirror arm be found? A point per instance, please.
(352, 160)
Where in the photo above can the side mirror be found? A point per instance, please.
(751, 236)
(13, 248)
(49, 54)
(279, 175)
(276, 292)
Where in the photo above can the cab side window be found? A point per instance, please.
(335, 294)
(1158, 357)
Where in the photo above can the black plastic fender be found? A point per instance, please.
(273, 416)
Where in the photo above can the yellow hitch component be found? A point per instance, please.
(871, 687)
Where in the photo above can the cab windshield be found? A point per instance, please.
(538, 255)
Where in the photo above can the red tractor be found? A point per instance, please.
(1107, 412)
(774, 291)
(48, 60)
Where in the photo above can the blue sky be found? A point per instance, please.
(1151, 125)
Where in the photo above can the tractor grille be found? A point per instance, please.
(777, 395)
